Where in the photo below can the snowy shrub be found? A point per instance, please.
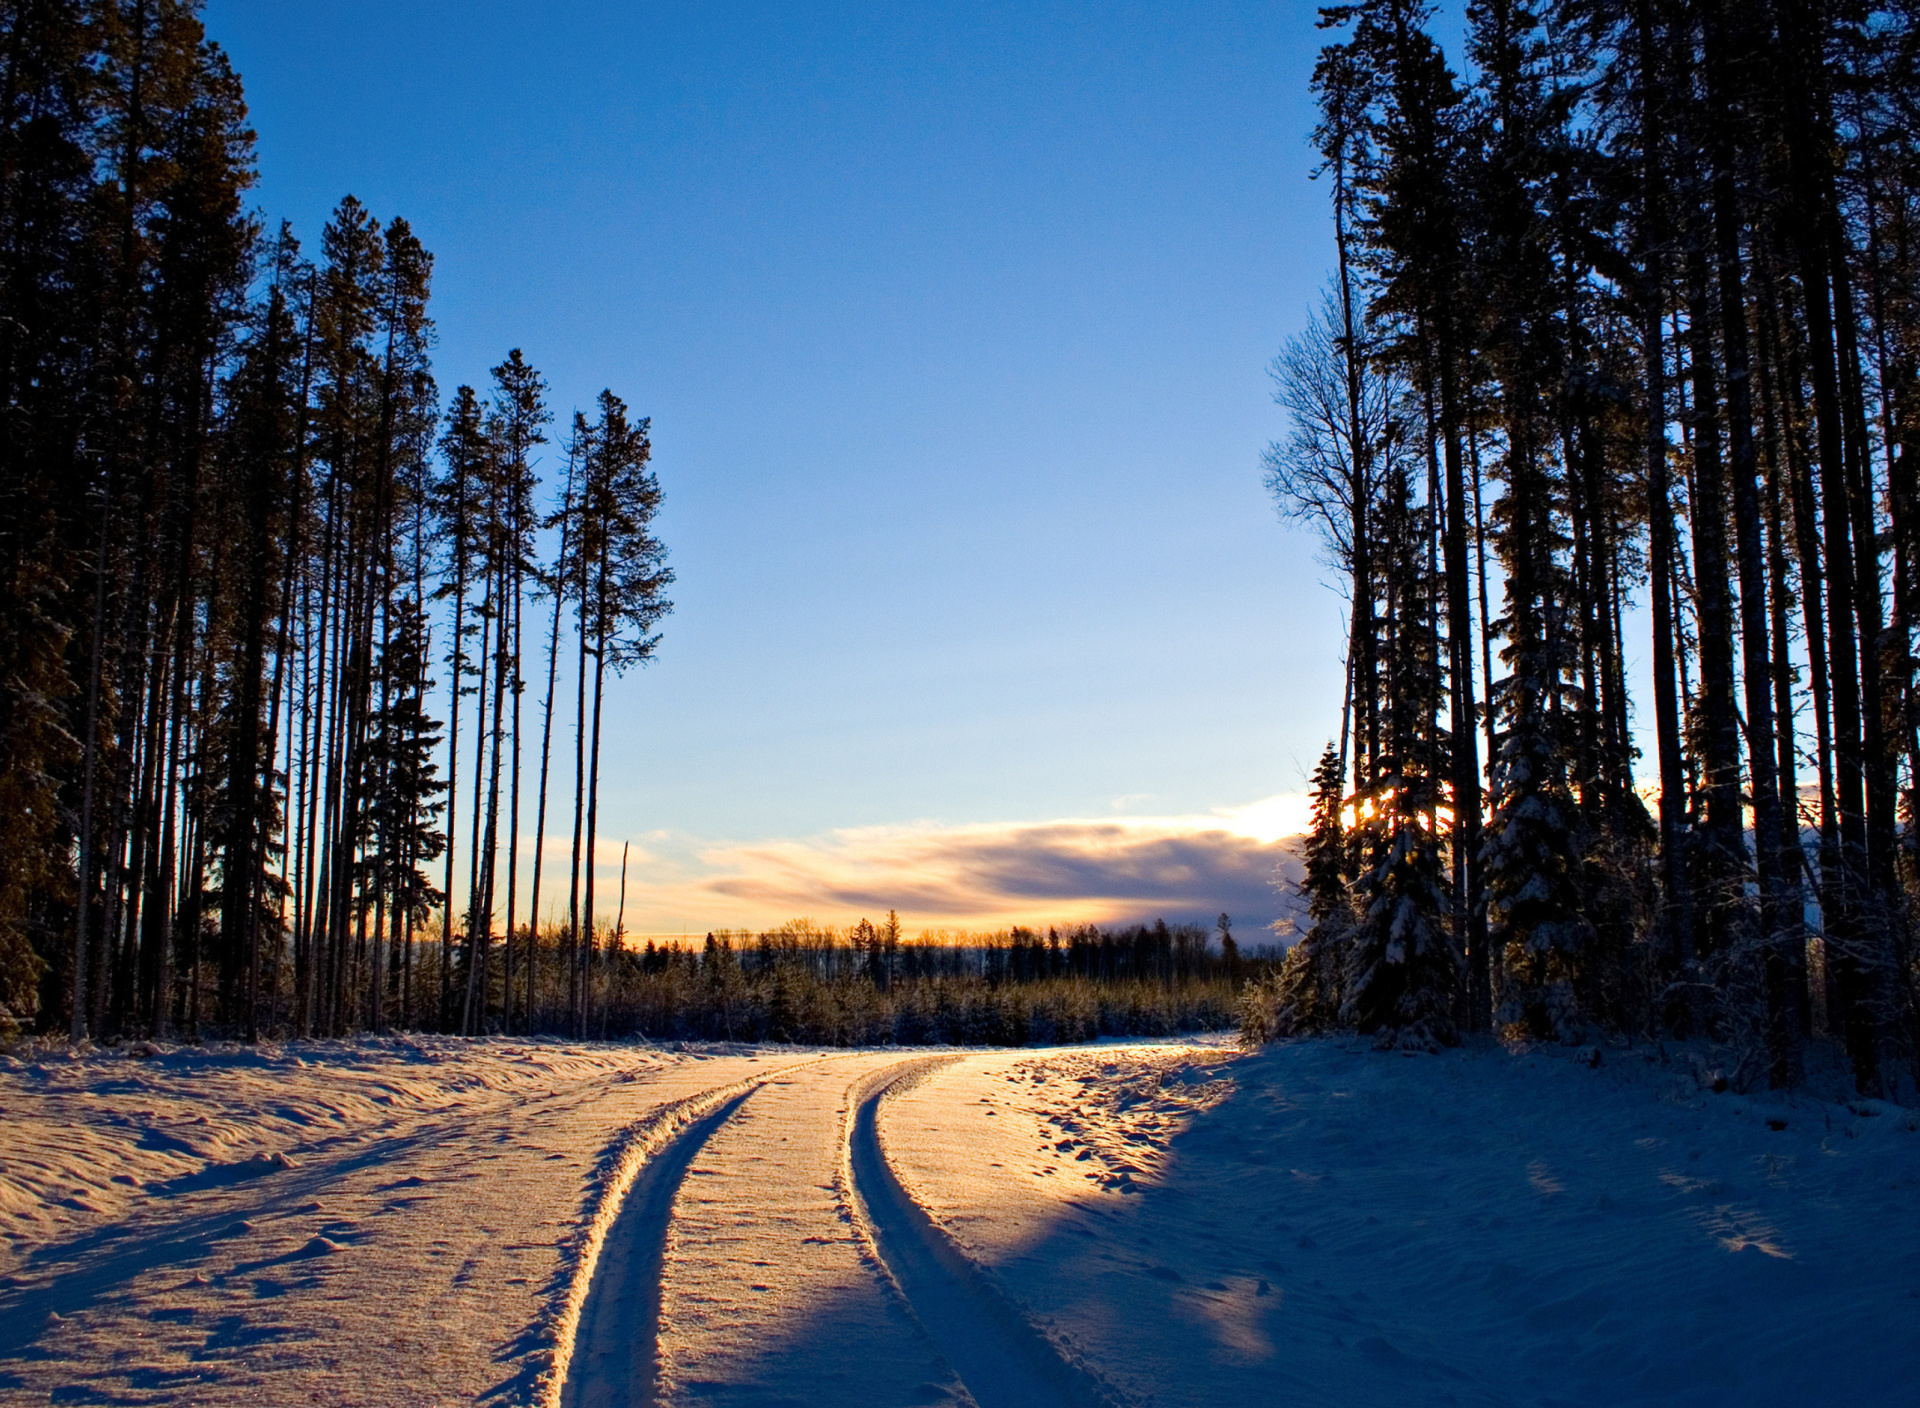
(1257, 1012)
(1312, 984)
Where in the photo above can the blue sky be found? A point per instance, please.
(953, 322)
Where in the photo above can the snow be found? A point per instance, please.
(419, 1249)
(419, 1221)
(1323, 1223)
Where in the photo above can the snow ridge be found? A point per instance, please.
(629, 1153)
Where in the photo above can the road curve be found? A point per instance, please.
(1004, 1360)
(730, 1272)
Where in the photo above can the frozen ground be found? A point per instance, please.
(433, 1221)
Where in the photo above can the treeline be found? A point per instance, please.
(867, 985)
(1172, 956)
(257, 584)
(1618, 371)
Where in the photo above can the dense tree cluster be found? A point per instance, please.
(1619, 368)
(868, 985)
(238, 542)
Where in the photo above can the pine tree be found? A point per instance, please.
(1311, 981)
(255, 474)
(622, 577)
(1416, 237)
(553, 583)
(460, 509)
(515, 425)
(1404, 966)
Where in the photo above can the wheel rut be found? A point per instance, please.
(758, 1233)
(616, 1363)
(1003, 1358)
(606, 1324)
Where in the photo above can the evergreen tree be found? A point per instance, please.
(400, 835)
(514, 428)
(460, 508)
(255, 477)
(1404, 967)
(621, 576)
(1311, 981)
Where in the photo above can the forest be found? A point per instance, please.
(257, 584)
(870, 985)
(1617, 376)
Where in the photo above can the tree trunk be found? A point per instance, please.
(1678, 916)
(1782, 1021)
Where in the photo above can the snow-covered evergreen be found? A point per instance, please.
(1313, 976)
(1403, 966)
(1530, 856)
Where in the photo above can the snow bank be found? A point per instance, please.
(1320, 1223)
(90, 1133)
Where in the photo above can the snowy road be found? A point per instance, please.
(399, 1225)
(428, 1222)
(733, 1275)
(438, 1222)
(767, 1255)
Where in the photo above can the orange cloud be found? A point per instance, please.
(978, 877)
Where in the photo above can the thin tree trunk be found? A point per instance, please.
(518, 687)
(546, 739)
(1782, 1022)
(579, 819)
(1466, 752)
(593, 823)
(1660, 545)
(456, 664)
(481, 939)
(479, 858)
(77, 1027)
(1848, 993)
(1724, 858)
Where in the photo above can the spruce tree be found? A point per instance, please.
(1312, 978)
(1404, 966)
(400, 835)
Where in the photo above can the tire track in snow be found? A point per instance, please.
(616, 1346)
(1003, 1358)
(611, 1303)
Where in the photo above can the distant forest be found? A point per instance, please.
(869, 985)
(1618, 376)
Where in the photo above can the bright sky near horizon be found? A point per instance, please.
(953, 321)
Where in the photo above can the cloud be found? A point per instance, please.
(1100, 870)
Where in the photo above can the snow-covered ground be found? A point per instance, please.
(419, 1221)
(1321, 1223)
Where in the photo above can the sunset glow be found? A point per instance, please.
(975, 877)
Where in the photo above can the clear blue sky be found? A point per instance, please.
(953, 322)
